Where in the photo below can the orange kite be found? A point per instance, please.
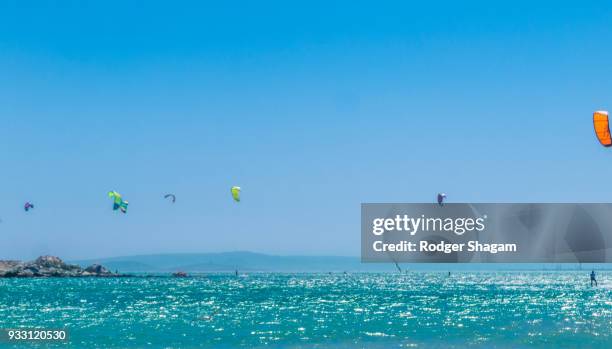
(602, 128)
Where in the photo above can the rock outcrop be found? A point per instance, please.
(50, 266)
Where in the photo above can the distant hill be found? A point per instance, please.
(258, 262)
(230, 261)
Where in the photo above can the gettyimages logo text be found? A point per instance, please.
(412, 225)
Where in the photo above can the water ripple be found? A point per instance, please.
(506, 310)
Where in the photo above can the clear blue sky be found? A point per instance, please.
(311, 107)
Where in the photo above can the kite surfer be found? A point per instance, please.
(593, 278)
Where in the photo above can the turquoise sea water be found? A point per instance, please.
(421, 310)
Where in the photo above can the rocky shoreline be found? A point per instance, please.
(50, 266)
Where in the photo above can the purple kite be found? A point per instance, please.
(441, 197)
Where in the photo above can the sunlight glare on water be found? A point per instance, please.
(508, 310)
